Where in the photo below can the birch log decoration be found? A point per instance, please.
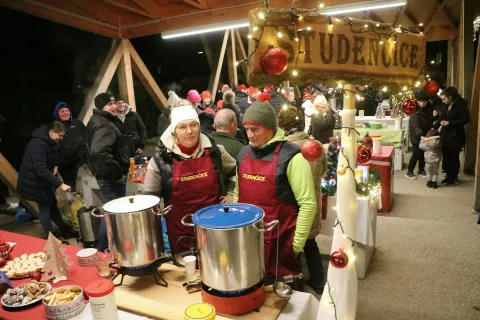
(339, 299)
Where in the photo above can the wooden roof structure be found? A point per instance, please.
(125, 19)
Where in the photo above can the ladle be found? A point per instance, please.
(280, 288)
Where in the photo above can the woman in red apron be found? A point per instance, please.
(187, 171)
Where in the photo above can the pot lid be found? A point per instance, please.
(227, 216)
(131, 204)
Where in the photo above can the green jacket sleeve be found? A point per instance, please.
(300, 178)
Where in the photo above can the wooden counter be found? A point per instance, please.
(143, 296)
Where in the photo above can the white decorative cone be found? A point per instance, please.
(343, 282)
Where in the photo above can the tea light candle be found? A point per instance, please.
(377, 145)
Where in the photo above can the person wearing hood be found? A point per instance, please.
(323, 119)
(419, 125)
(272, 164)
(107, 155)
(187, 171)
(291, 121)
(72, 147)
(130, 123)
(37, 177)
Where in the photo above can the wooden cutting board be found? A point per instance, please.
(143, 296)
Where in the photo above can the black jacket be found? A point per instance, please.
(420, 123)
(163, 121)
(35, 179)
(133, 126)
(322, 125)
(107, 149)
(72, 146)
(453, 135)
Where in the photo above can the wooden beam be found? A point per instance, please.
(428, 23)
(207, 49)
(67, 18)
(409, 14)
(97, 10)
(126, 5)
(241, 53)
(399, 15)
(468, 83)
(9, 176)
(221, 57)
(125, 77)
(147, 79)
(150, 6)
(473, 147)
(476, 193)
(197, 4)
(374, 17)
(231, 59)
(449, 15)
(102, 81)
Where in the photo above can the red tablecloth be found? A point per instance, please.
(80, 276)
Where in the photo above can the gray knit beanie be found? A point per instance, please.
(261, 113)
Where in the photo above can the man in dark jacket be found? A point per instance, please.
(72, 147)
(37, 178)
(226, 129)
(130, 123)
(420, 123)
(452, 122)
(107, 154)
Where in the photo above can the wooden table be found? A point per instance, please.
(143, 296)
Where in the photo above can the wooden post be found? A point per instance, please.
(241, 53)
(452, 72)
(207, 49)
(125, 77)
(468, 62)
(220, 63)
(146, 78)
(9, 176)
(232, 58)
(102, 81)
(476, 193)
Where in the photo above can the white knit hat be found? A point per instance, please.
(309, 108)
(320, 101)
(182, 113)
(172, 98)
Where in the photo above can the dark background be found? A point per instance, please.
(43, 62)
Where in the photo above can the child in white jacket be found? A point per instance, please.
(432, 146)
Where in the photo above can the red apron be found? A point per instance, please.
(194, 187)
(256, 181)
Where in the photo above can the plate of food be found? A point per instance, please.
(24, 266)
(25, 294)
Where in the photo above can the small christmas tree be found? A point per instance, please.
(380, 113)
(56, 262)
(329, 182)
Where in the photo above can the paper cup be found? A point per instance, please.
(190, 263)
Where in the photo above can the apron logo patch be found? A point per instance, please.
(194, 176)
(253, 177)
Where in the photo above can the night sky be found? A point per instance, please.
(44, 62)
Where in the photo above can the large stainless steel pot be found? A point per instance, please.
(230, 245)
(134, 229)
(88, 225)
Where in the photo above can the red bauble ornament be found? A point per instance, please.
(368, 141)
(274, 61)
(364, 154)
(339, 259)
(431, 87)
(2, 261)
(409, 106)
(36, 276)
(312, 150)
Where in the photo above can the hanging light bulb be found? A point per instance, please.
(255, 28)
(296, 118)
(249, 36)
(417, 83)
(384, 89)
(432, 62)
(295, 73)
(309, 28)
(279, 34)
(377, 25)
(296, 39)
(321, 5)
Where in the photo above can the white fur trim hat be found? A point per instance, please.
(320, 101)
(182, 113)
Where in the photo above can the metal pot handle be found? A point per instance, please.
(163, 212)
(268, 226)
(186, 223)
(97, 215)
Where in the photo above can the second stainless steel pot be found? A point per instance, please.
(134, 229)
(230, 245)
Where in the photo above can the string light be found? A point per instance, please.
(249, 36)
(377, 25)
(330, 25)
(255, 28)
(236, 63)
(340, 85)
(279, 34)
(261, 15)
(432, 62)
(381, 42)
(321, 5)
(420, 24)
(296, 39)
(384, 89)
(285, 107)
(366, 26)
(295, 73)
(405, 88)
(309, 28)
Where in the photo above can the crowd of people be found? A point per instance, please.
(224, 149)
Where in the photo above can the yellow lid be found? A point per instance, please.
(200, 311)
(358, 170)
(377, 139)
